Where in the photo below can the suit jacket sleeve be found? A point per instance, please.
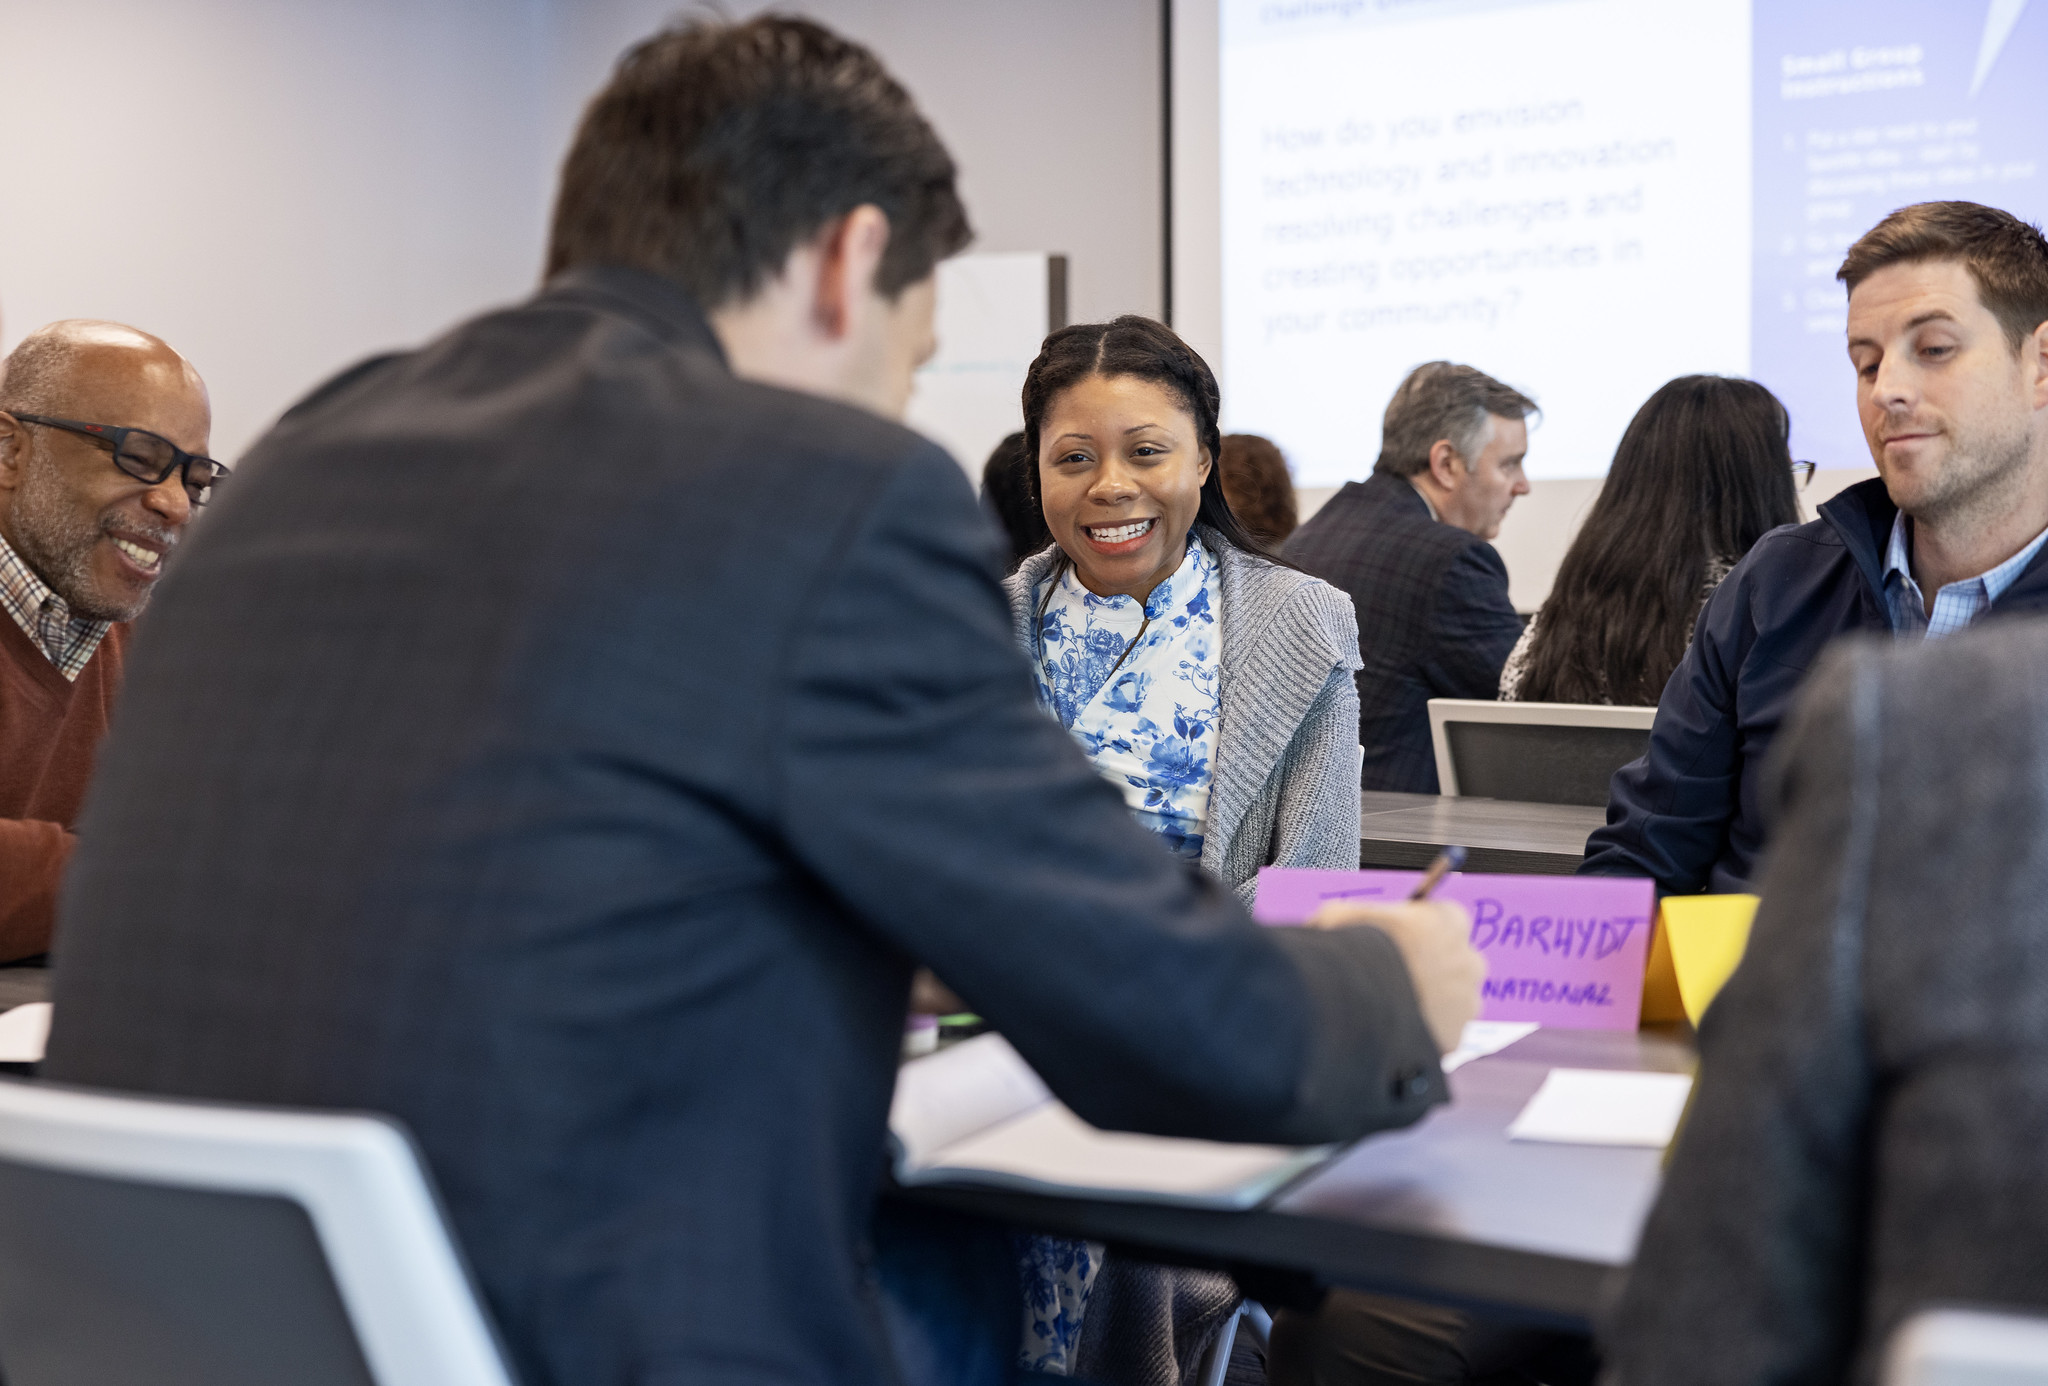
(32, 858)
(1473, 626)
(1668, 813)
(1749, 1269)
(922, 785)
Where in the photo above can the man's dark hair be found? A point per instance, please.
(717, 149)
(1259, 485)
(1007, 491)
(1439, 401)
(2007, 257)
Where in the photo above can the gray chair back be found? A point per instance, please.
(1539, 753)
(1968, 1347)
(189, 1244)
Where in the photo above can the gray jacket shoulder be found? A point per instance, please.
(1285, 607)
(1019, 586)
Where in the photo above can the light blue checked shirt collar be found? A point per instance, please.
(1957, 605)
(67, 641)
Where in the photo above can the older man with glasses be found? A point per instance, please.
(102, 435)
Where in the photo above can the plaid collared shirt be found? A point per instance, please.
(68, 641)
(1957, 605)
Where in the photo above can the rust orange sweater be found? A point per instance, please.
(49, 733)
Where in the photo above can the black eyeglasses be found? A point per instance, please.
(144, 455)
(1802, 472)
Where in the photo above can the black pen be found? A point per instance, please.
(1447, 861)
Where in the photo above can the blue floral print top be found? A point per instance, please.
(1149, 725)
(1148, 722)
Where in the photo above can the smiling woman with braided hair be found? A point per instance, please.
(1206, 678)
(1209, 681)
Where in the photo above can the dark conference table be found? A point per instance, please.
(1449, 1210)
(1405, 831)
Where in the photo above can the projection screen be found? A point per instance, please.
(1583, 197)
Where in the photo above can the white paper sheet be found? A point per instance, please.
(1050, 1147)
(977, 1114)
(948, 1096)
(23, 1032)
(1483, 1037)
(1584, 1106)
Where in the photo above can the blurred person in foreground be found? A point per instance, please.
(1702, 473)
(1411, 545)
(1208, 682)
(1873, 1083)
(1945, 300)
(592, 717)
(1259, 485)
(103, 434)
(1007, 493)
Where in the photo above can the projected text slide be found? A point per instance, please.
(1555, 192)
(1863, 106)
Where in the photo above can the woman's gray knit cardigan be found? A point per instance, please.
(1286, 762)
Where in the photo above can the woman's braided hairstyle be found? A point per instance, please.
(1144, 350)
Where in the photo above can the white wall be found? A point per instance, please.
(277, 189)
(1051, 108)
(280, 187)
(310, 181)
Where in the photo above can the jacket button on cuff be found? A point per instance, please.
(1413, 1083)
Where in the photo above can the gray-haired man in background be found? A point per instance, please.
(1411, 546)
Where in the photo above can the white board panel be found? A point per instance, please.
(993, 313)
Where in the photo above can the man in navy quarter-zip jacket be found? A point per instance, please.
(1949, 534)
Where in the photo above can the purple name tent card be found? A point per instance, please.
(1565, 951)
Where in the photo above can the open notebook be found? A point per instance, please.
(977, 1114)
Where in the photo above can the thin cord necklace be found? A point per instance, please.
(1143, 626)
(1038, 621)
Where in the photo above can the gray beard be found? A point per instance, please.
(57, 542)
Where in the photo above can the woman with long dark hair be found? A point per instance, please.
(1702, 473)
(1209, 681)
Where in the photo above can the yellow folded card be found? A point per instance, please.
(1698, 942)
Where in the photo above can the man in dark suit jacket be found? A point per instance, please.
(570, 739)
(1411, 547)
